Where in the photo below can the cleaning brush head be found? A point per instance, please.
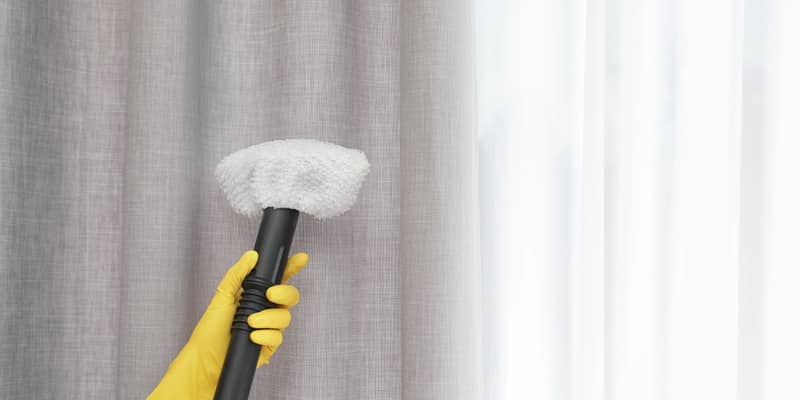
(317, 178)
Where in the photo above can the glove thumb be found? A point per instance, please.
(230, 285)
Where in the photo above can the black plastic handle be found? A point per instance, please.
(272, 244)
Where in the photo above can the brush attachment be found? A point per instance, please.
(317, 178)
(278, 180)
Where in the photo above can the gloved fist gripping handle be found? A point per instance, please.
(195, 371)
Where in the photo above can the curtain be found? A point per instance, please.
(639, 198)
(113, 233)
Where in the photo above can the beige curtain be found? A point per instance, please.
(113, 232)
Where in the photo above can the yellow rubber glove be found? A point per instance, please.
(195, 371)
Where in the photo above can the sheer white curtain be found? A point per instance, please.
(640, 187)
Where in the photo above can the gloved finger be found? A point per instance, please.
(267, 337)
(275, 318)
(270, 340)
(265, 355)
(284, 295)
(294, 265)
(232, 282)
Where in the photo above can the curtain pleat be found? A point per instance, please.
(637, 166)
(113, 233)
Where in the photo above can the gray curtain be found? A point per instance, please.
(113, 233)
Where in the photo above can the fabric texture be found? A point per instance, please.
(639, 189)
(316, 178)
(113, 231)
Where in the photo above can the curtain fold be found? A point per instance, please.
(638, 162)
(113, 233)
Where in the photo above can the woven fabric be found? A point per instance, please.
(114, 232)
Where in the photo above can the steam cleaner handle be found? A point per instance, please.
(272, 244)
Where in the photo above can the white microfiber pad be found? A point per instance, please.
(317, 178)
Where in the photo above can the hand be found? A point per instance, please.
(195, 371)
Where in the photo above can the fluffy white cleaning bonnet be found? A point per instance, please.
(317, 178)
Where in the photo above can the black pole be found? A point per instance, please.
(272, 244)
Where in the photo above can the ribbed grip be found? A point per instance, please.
(252, 301)
(272, 244)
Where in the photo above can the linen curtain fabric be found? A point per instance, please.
(639, 191)
(113, 232)
(638, 194)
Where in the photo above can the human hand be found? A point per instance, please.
(195, 371)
